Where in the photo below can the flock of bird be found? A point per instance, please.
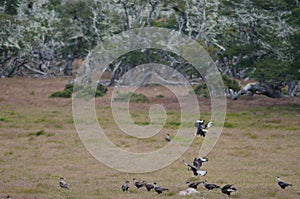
(148, 186)
(227, 189)
(194, 167)
(192, 186)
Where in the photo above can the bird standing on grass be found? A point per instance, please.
(282, 184)
(168, 138)
(159, 189)
(228, 189)
(210, 186)
(148, 185)
(63, 184)
(125, 186)
(137, 184)
(193, 184)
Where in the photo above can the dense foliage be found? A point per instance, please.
(247, 38)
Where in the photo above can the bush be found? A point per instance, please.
(230, 83)
(160, 96)
(201, 90)
(66, 93)
(131, 97)
(81, 91)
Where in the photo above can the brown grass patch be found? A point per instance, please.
(39, 143)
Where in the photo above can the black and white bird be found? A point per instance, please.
(8, 197)
(282, 184)
(125, 186)
(137, 184)
(168, 138)
(196, 170)
(228, 189)
(202, 127)
(210, 186)
(198, 161)
(194, 184)
(62, 183)
(148, 186)
(159, 189)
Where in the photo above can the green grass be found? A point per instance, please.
(142, 123)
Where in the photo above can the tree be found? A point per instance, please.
(257, 44)
(248, 39)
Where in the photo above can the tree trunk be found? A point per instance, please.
(273, 91)
(68, 66)
(292, 88)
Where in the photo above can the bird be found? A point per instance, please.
(282, 184)
(196, 170)
(159, 189)
(8, 197)
(168, 138)
(201, 127)
(228, 189)
(148, 186)
(125, 186)
(210, 186)
(198, 161)
(62, 183)
(137, 184)
(193, 184)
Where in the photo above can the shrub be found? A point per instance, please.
(230, 83)
(201, 90)
(81, 91)
(66, 93)
(160, 96)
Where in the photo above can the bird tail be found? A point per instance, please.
(209, 124)
(202, 172)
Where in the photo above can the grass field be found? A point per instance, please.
(39, 144)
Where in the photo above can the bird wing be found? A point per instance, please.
(168, 139)
(283, 184)
(63, 184)
(209, 124)
(149, 186)
(163, 189)
(228, 186)
(138, 184)
(232, 189)
(190, 166)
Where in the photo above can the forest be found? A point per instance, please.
(252, 41)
